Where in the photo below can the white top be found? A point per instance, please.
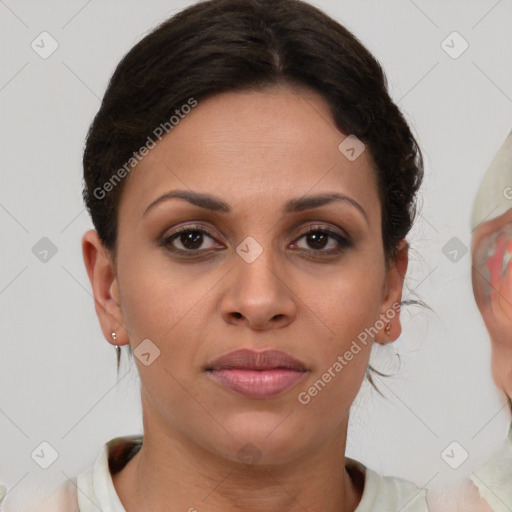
(488, 488)
(494, 477)
(96, 490)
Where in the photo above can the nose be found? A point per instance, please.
(259, 295)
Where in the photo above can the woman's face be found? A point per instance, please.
(247, 276)
(492, 286)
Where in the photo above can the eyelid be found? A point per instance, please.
(327, 229)
(311, 227)
(166, 238)
(343, 239)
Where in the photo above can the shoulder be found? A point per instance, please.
(62, 498)
(92, 490)
(493, 476)
(386, 493)
(456, 496)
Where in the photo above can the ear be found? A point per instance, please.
(101, 272)
(392, 295)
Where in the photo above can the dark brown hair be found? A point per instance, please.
(224, 45)
(216, 46)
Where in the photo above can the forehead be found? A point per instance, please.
(251, 145)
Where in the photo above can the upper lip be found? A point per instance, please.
(253, 360)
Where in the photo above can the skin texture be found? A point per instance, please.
(255, 151)
(492, 287)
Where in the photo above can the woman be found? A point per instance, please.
(492, 286)
(488, 488)
(251, 184)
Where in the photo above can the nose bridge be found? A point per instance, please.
(257, 291)
(256, 270)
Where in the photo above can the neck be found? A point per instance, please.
(173, 474)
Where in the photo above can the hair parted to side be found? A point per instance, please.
(216, 46)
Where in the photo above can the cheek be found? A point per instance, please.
(163, 306)
(345, 302)
(344, 307)
(157, 296)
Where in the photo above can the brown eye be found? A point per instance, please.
(191, 240)
(318, 239)
(188, 239)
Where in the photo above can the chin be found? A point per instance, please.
(264, 439)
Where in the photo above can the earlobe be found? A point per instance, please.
(391, 305)
(104, 285)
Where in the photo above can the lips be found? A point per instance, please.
(256, 374)
(251, 360)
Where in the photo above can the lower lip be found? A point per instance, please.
(257, 383)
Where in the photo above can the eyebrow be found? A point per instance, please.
(216, 204)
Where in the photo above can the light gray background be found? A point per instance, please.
(57, 373)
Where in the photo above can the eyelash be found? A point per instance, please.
(343, 241)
